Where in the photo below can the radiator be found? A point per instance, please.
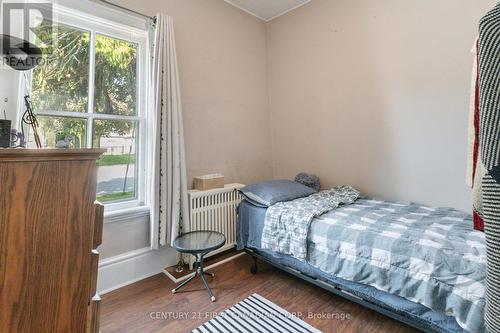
(215, 210)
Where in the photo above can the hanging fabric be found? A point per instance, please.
(170, 206)
(475, 168)
(489, 151)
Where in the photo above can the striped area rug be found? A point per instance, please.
(255, 314)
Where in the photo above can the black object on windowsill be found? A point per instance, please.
(5, 133)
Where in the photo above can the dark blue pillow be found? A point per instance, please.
(268, 193)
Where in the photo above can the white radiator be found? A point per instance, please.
(215, 210)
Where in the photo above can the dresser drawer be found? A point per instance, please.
(40, 237)
(98, 224)
(93, 273)
(93, 315)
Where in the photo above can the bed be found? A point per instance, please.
(444, 245)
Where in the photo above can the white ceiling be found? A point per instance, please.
(267, 9)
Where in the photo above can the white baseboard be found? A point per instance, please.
(130, 267)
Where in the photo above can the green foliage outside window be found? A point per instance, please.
(61, 82)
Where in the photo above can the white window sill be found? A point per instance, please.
(126, 214)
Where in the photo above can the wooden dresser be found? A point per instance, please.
(50, 227)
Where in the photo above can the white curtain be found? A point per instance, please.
(169, 206)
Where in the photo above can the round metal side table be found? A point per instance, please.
(199, 244)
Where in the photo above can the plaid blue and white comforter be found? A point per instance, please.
(287, 223)
(428, 255)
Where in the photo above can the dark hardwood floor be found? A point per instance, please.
(149, 306)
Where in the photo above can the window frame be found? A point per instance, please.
(97, 26)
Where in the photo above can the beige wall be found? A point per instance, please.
(223, 74)
(375, 93)
(9, 89)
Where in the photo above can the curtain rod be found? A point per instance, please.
(152, 18)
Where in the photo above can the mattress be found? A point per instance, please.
(249, 234)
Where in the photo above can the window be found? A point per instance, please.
(90, 93)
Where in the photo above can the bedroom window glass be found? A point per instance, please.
(115, 76)
(62, 83)
(90, 92)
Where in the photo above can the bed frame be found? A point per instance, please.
(418, 324)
